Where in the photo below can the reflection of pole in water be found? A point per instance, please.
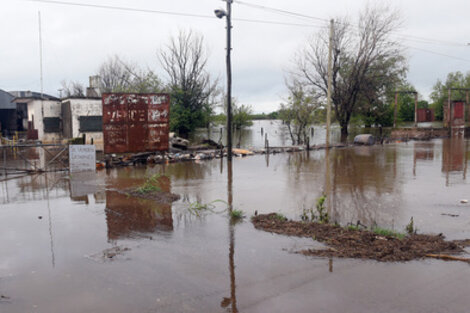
(231, 253)
(229, 185)
(50, 222)
(327, 181)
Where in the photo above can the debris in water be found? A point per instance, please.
(451, 215)
(357, 243)
(108, 254)
(464, 201)
(4, 298)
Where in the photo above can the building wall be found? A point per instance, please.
(86, 107)
(50, 109)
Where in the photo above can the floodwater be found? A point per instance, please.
(277, 134)
(75, 244)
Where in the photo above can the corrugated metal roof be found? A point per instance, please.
(5, 101)
(31, 95)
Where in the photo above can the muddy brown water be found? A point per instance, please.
(74, 244)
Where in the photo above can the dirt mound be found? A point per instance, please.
(356, 243)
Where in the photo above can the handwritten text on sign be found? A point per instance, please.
(82, 158)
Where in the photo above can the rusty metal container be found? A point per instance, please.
(134, 122)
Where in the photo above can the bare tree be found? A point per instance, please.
(184, 60)
(72, 89)
(114, 75)
(117, 75)
(365, 60)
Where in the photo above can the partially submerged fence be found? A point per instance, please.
(37, 158)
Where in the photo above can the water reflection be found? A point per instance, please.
(364, 185)
(454, 158)
(128, 216)
(422, 151)
(232, 300)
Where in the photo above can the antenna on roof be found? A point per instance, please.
(40, 53)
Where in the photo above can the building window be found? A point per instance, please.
(90, 124)
(52, 125)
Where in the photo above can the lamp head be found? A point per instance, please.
(220, 13)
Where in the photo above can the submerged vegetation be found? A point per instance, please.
(199, 209)
(151, 184)
(236, 214)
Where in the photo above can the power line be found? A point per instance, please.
(112, 7)
(295, 14)
(130, 9)
(438, 53)
(285, 12)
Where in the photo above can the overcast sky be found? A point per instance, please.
(76, 40)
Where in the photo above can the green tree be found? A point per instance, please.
(440, 96)
(192, 89)
(241, 116)
(298, 112)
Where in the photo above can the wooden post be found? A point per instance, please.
(416, 109)
(467, 105)
(395, 110)
(4, 161)
(447, 112)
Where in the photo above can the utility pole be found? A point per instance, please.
(229, 80)
(328, 118)
(40, 53)
(330, 83)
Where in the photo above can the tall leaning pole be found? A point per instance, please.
(330, 83)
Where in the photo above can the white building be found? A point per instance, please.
(43, 114)
(83, 116)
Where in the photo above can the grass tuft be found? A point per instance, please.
(150, 185)
(236, 214)
(388, 233)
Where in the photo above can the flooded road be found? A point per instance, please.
(76, 244)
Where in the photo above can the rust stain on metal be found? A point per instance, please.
(135, 122)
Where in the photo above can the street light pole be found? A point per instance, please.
(228, 16)
(229, 80)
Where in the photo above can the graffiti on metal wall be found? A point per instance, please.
(135, 122)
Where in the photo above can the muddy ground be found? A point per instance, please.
(356, 243)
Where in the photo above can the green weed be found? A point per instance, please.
(279, 217)
(236, 214)
(353, 227)
(323, 216)
(388, 233)
(198, 209)
(410, 228)
(319, 215)
(151, 184)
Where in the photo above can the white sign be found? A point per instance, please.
(82, 158)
